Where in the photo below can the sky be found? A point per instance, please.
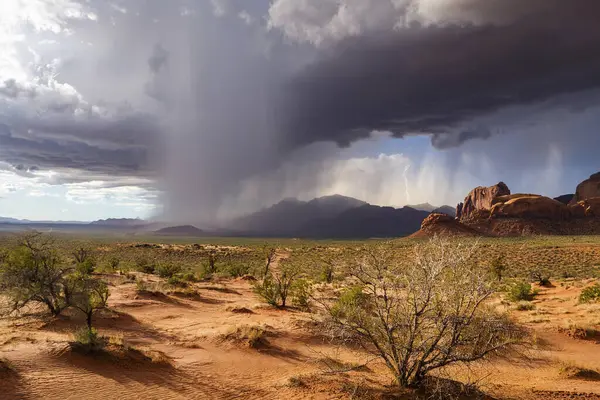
(199, 111)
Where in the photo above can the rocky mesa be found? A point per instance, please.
(494, 210)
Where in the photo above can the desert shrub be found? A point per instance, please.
(113, 264)
(238, 269)
(525, 306)
(144, 265)
(521, 291)
(89, 295)
(167, 270)
(189, 277)
(541, 278)
(177, 282)
(301, 293)
(268, 290)
(421, 315)
(252, 336)
(275, 288)
(498, 267)
(86, 267)
(141, 287)
(32, 272)
(296, 382)
(88, 339)
(210, 264)
(571, 371)
(590, 294)
(567, 275)
(582, 332)
(269, 255)
(84, 260)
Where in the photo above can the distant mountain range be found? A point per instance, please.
(325, 217)
(120, 222)
(330, 217)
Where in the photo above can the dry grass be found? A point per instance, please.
(582, 332)
(252, 336)
(571, 371)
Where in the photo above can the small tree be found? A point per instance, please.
(211, 263)
(269, 253)
(113, 263)
(32, 272)
(276, 287)
(84, 260)
(89, 295)
(423, 315)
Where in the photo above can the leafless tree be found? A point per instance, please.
(269, 253)
(424, 314)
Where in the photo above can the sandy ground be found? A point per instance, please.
(188, 330)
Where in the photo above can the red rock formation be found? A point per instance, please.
(444, 225)
(589, 208)
(530, 207)
(588, 189)
(479, 202)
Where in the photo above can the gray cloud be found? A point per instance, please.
(433, 76)
(200, 100)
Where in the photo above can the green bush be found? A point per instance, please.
(113, 264)
(268, 290)
(238, 269)
(168, 270)
(33, 272)
(541, 279)
(498, 267)
(86, 267)
(524, 306)
(352, 298)
(88, 339)
(189, 277)
(143, 265)
(521, 291)
(301, 292)
(590, 294)
(141, 287)
(177, 281)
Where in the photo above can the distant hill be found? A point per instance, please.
(183, 230)
(451, 211)
(423, 207)
(120, 222)
(330, 217)
(367, 221)
(5, 220)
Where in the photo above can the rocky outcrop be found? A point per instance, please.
(497, 212)
(589, 208)
(480, 201)
(588, 189)
(444, 225)
(530, 207)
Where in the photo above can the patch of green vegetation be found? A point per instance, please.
(590, 294)
(521, 291)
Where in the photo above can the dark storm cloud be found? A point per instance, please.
(109, 147)
(435, 78)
